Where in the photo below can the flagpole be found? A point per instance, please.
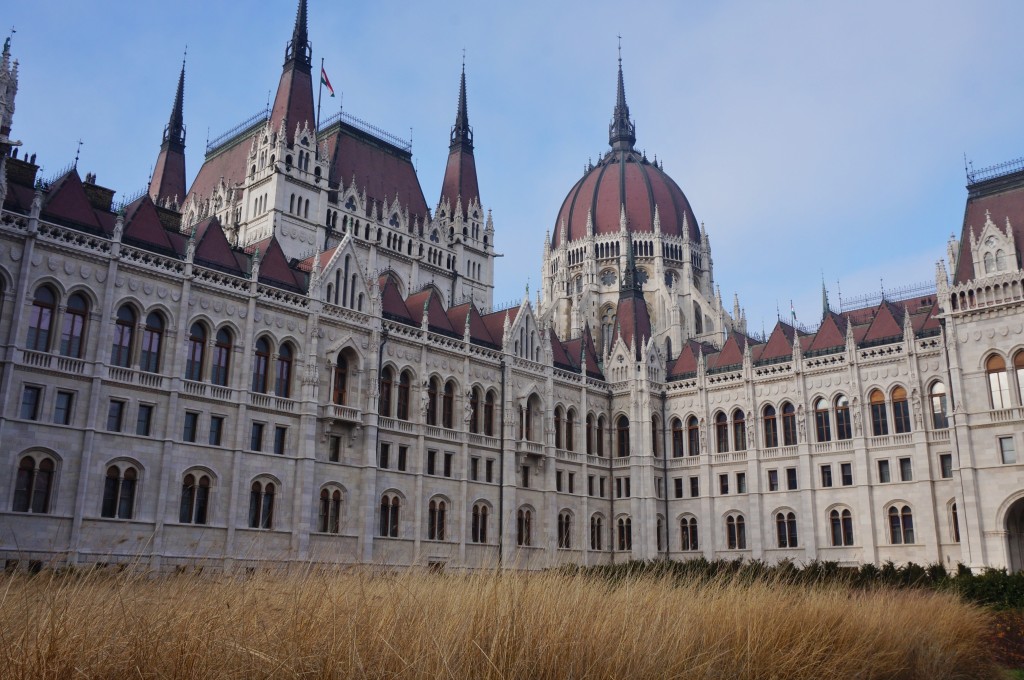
(319, 95)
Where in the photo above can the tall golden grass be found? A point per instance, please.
(372, 624)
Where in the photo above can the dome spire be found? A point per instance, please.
(462, 133)
(621, 131)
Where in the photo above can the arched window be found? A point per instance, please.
(283, 381)
(524, 520)
(600, 437)
(194, 355)
(625, 528)
(739, 430)
(489, 414)
(329, 520)
(622, 436)
(570, 429)
(596, 533)
(72, 332)
(478, 532)
(33, 485)
(842, 527)
(721, 432)
(219, 367)
(938, 400)
(693, 436)
(152, 343)
(901, 525)
(999, 386)
(389, 507)
(341, 380)
(1018, 367)
(404, 386)
(384, 404)
(40, 323)
(785, 530)
(771, 427)
(677, 439)
(821, 422)
(900, 410)
(261, 505)
(558, 427)
(124, 333)
(261, 366)
(843, 425)
(735, 532)
(119, 492)
(655, 439)
(195, 499)
(448, 406)
(990, 263)
(954, 523)
(565, 530)
(788, 425)
(879, 419)
(688, 534)
(433, 387)
(436, 511)
(474, 410)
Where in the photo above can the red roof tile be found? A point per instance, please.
(495, 322)
(274, 266)
(66, 202)
(780, 343)
(1003, 198)
(831, 333)
(888, 322)
(212, 247)
(142, 225)
(477, 329)
(391, 300)
(435, 308)
(460, 180)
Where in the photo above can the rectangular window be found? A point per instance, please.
(741, 482)
(256, 437)
(723, 484)
(773, 480)
(906, 470)
(30, 398)
(526, 476)
(791, 479)
(601, 485)
(846, 472)
(403, 458)
(63, 407)
(694, 487)
(489, 470)
(216, 429)
(191, 428)
(280, 438)
(558, 480)
(334, 449)
(946, 465)
(384, 458)
(572, 482)
(628, 493)
(618, 487)
(883, 472)
(826, 476)
(474, 468)
(590, 485)
(1007, 451)
(431, 462)
(144, 420)
(449, 458)
(657, 487)
(678, 484)
(115, 415)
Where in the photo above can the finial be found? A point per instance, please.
(620, 50)
(77, 152)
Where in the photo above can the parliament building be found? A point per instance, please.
(297, 358)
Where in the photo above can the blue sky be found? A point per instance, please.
(810, 138)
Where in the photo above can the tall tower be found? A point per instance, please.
(461, 214)
(167, 186)
(293, 105)
(8, 90)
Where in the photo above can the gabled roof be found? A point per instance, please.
(213, 248)
(435, 307)
(495, 322)
(559, 356)
(477, 328)
(589, 356)
(1002, 197)
(142, 226)
(392, 303)
(274, 267)
(780, 342)
(831, 333)
(686, 362)
(67, 202)
(731, 353)
(888, 322)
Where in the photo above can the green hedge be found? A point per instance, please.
(992, 587)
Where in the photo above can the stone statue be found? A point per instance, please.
(915, 400)
(424, 399)
(703, 437)
(801, 422)
(750, 430)
(856, 416)
(467, 415)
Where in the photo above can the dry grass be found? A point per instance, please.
(366, 623)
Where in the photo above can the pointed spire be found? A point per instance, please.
(462, 133)
(174, 133)
(825, 309)
(621, 131)
(299, 50)
(168, 181)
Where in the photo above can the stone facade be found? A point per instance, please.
(287, 367)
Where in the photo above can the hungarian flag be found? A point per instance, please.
(324, 80)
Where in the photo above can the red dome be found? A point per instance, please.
(625, 177)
